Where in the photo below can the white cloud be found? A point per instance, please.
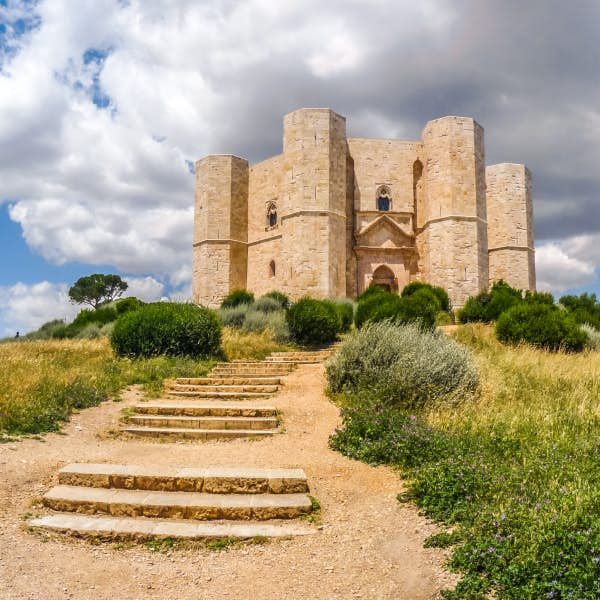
(561, 266)
(146, 289)
(26, 307)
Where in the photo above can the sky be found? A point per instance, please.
(106, 104)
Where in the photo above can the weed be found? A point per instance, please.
(220, 544)
(161, 545)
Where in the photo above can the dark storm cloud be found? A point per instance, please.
(527, 71)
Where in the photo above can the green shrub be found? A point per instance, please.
(487, 307)
(403, 364)
(440, 293)
(540, 325)
(345, 308)
(313, 322)
(167, 328)
(372, 290)
(266, 304)
(593, 337)
(99, 316)
(257, 321)
(236, 298)
(234, 316)
(91, 331)
(126, 304)
(539, 298)
(421, 306)
(283, 300)
(46, 331)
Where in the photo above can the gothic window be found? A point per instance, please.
(384, 198)
(272, 269)
(271, 215)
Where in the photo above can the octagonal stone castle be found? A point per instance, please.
(332, 215)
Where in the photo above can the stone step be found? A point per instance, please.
(216, 409)
(300, 355)
(145, 529)
(227, 381)
(268, 389)
(176, 505)
(296, 361)
(254, 373)
(202, 422)
(187, 433)
(223, 395)
(212, 480)
(246, 365)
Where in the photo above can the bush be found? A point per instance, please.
(313, 322)
(91, 331)
(46, 331)
(126, 304)
(266, 304)
(440, 293)
(421, 306)
(542, 326)
(257, 322)
(236, 298)
(99, 316)
(487, 307)
(345, 309)
(283, 300)
(539, 298)
(593, 337)
(234, 316)
(403, 364)
(167, 328)
(372, 290)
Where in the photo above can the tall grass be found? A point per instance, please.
(42, 382)
(243, 345)
(514, 470)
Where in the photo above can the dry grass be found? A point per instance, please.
(527, 391)
(240, 345)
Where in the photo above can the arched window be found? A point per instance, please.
(272, 269)
(384, 198)
(271, 215)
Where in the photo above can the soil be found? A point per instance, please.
(368, 545)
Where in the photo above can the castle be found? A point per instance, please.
(332, 215)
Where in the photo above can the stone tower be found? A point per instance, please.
(455, 246)
(220, 227)
(313, 202)
(510, 225)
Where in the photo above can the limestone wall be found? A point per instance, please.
(383, 162)
(510, 225)
(454, 215)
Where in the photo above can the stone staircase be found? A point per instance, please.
(149, 502)
(199, 408)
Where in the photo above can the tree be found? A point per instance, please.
(96, 289)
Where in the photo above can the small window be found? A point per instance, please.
(272, 269)
(384, 198)
(271, 215)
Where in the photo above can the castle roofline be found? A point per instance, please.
(316, 109)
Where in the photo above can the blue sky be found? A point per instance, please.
(104, 109)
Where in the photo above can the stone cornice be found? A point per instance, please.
(263, 240)
(219, 241)
(520, 248)
(318, 213)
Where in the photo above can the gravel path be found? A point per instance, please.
(368, 546)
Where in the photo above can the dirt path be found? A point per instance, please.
(369, 545)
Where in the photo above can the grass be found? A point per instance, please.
(512, 473)
(43, 382)
(241, 345)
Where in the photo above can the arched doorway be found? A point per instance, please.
(384, 277)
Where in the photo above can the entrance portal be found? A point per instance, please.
(384, 277)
